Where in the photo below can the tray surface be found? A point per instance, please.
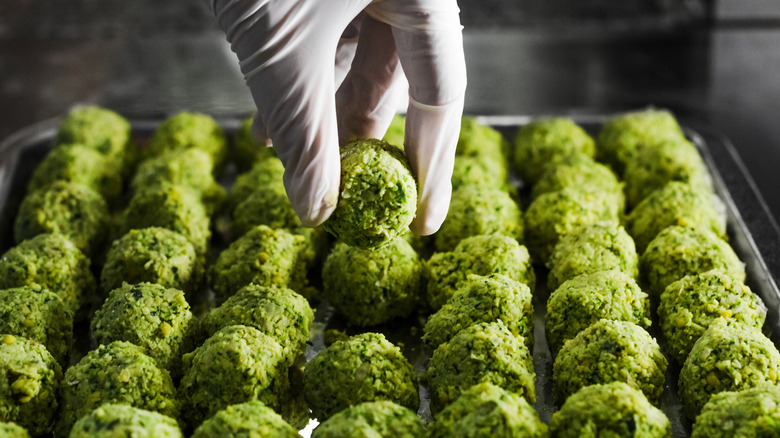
(755, 239)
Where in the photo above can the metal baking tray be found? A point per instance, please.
(752, 232)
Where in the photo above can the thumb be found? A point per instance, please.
(429, 42)
(434, 130)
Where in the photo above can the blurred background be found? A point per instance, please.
(714, 61)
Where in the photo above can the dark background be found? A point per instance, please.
(717, 62)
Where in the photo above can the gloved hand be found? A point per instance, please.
(294, 54)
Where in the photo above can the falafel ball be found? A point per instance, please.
(614, 409)
(487, 410)
(689, 305)
(120, 373)
(237, 364)
(116, 420)
(623, 134)
(279, 312)
(156, 318)
(583, 300)
(479, 255)
(678, 251)
(727, 357)
(29, 380)
(152, 255)
(40, 315)
(592, 248)
(370, 287)
(379, 418)
(366, 367)
(71, 209)
(675, 204)
(188, 130)
(377, 197)
(53, 262)
(610, 351)
(543, 143)
(476, 210)
(250, 419)
(483, 299)
(483, 352)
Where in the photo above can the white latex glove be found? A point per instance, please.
(294, 53)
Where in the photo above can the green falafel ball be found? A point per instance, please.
(471, 171)
(675, 204)
(579, 170)
(690, 304)
(363, 368)
(555, 214)
(153, 255)
(615, 410)
(610, 351)
(377, 196)
(486, 410)
(263, 173)
(29, 379)
(279, 312)
(53, 262)
(370, 287)
(156, 318)
(657, 164)
(100, 129)
(250, 419)
(71, 209)
(483, 352)
(727, 357)
(118, 373)
(476, 139)
(248, 151)
(12, 430)
(678, 251)
(623, 134)
(583, 300)
(77, 163)
(116, 420)
(543, 143)
(235, 365)
(262, 256)
(39, 315)
(483, 299)
(479, 255)
(476, 210)
(372, 419)
(191, 168)
(266, 205)
(592, 248)
(485, 145)
(187, 130)
(177, 208)
(754, 412)
(269, 205)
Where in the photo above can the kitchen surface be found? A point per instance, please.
(709, 62)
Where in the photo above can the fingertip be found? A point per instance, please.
(259, 131)
(313, 186)
(421, 227)
(432, 211)
(315, 214)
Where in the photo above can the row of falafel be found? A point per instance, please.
(142, 328)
